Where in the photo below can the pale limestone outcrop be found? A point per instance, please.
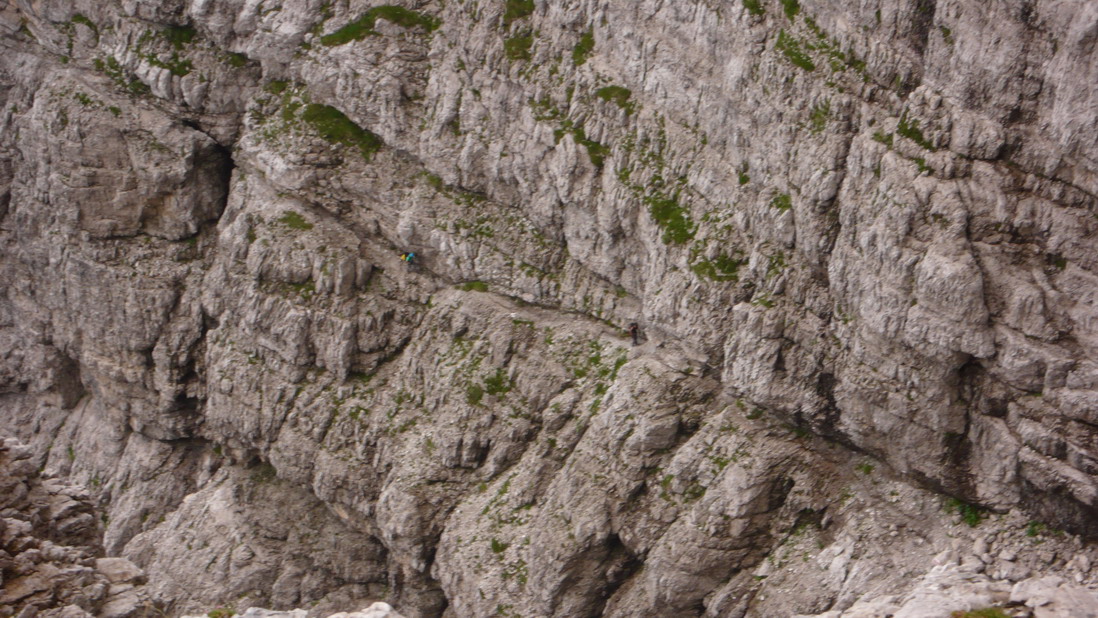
(947, 588)
(857, 239)
(375, 610)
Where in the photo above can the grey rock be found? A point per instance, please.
(258, 612)
(48, 543)
(119, 570)
(1051, 597)
(376, 610)
(858, 240)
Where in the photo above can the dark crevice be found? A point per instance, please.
(209, 322)
(997, 407)
(922, 20)
(371, 362)
(596, 575)
(224, 166)
(827, 415)
(779, 492)
(1057, 508)
(621, 564)
(6, 175)
(69, 382)
(474, 454)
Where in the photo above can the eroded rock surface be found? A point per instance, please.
(50, 543)
(375, 610)
(859, 242)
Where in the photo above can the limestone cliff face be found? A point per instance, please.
(859, 241)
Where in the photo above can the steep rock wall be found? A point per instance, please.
(871, 224)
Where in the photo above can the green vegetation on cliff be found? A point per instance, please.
(364, 26)
(334, 126)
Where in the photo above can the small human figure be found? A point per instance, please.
(409, 259)
(634, 332)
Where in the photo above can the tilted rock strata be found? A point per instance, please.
(870, 224)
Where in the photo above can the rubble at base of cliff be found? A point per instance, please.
(51, 557)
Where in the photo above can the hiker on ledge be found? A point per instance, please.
(634, 331)
(409, 259)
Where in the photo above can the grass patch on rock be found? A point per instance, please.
(277, 86)
(720, 268)
(819, 116)
(544, 110)
(517, 9)
(236, 60)
(582, 51)
(114, 70)
(294, 221)
(666, 211)
(335, 127)
(970, 514)
(782, 202)
(179, 36)
(909, 128)
(987, 612)
(617, 95)
(473, 394)
(175, 65)
(791, 8)
(793, 52)
(518, 46)
(498, 383)
(364, 26)
(82, 19)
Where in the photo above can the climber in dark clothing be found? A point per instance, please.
(634, 332)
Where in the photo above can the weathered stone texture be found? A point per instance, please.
(859, 241)
(49, 543)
